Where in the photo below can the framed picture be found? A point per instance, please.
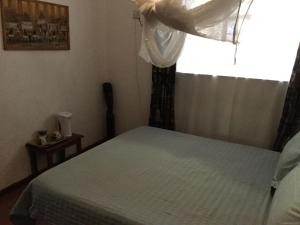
(35, 25)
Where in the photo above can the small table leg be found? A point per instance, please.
(62, 155)
(50, 160)
(79, 147)
(33, 163)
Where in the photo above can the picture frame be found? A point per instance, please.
(34, 25)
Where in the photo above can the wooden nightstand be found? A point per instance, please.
(50, 150)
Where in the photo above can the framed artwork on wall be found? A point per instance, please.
(34, 25)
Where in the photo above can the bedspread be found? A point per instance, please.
(150, 176)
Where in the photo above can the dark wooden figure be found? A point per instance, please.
(110, 118)
(273, 190)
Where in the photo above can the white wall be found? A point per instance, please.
(34, 85)
(130, 75)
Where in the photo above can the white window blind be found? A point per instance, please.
(268, 45)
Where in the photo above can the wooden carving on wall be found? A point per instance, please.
(34, 25)
(110, 118)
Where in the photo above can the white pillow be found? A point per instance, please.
(285, 208)
(289, 158)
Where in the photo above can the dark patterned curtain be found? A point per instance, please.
(162, 100)
(290, 121)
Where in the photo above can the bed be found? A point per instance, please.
(151, 176)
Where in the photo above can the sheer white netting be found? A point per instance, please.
(167, 21)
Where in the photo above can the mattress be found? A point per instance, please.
(150, 176)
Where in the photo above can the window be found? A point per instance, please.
(268, 45)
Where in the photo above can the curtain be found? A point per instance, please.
(239, 110)
(167, 21)
(162, 98)
(290, 120)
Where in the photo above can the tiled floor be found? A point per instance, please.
(6, 203)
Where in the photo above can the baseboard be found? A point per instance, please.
(15, 185)
(29, 178)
